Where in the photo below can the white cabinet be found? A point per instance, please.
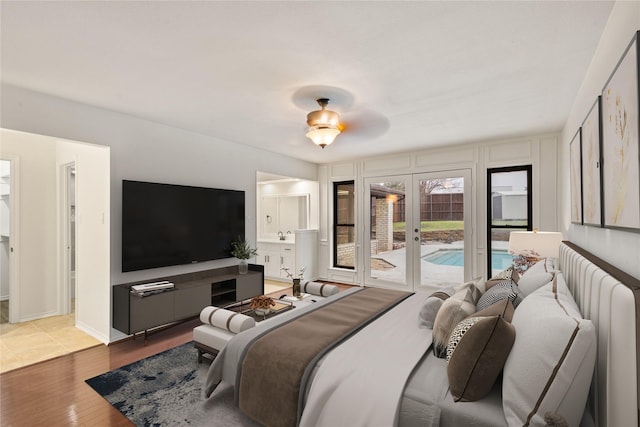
(275, 256)
(302, 253)
(307, 252)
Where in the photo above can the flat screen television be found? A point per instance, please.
(164, 224)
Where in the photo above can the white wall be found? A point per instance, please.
(37, 248)
(620, 248)
(538, 151)
(148, 151)
(92, 231)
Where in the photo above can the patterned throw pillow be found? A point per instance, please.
(507, 274)
(506, 289)
(458, 332)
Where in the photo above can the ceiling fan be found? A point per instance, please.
(324, 125)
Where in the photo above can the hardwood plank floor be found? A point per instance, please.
(53, 392)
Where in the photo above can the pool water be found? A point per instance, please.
(455, 257)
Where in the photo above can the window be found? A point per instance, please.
(344, 231)
(509, 208)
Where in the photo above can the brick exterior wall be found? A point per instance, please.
(384, 225)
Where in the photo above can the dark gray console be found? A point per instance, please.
(192, 292)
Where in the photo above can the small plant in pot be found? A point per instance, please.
(242, 250)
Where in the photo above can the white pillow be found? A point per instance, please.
(320, 289)
(551, 363)
(540, 266)
(533, 280)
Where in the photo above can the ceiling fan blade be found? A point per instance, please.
(364, 124)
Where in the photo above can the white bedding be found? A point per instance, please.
(393, 345)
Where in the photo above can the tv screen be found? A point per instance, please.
(165, 224)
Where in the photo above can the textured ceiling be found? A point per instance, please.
(403, 75)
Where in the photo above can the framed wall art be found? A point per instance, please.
(620, 153)
(591, 171)
(575, 170)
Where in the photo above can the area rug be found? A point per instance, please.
(166, 390)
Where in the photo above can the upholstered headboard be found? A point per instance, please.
(611, 299)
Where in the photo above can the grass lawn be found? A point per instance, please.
(432, 225)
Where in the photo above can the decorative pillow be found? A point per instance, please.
(503, 308)
(478, 282)
(476, 353)
(507, 274)
(543, 265)
(228, 320)
(430, 307)
(551, 363)
(506, 289)
(453, 310)
(320, 289)
(534, 280)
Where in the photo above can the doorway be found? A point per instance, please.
(419, 230)
(9, 203)
(69, 240)
(5, 234)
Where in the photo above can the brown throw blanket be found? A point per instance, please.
(277, 365)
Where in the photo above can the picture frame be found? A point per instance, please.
(620, 146)
(575, 178)
(591, 140)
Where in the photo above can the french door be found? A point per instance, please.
(418, 230)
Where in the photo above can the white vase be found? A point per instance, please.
(243, 267)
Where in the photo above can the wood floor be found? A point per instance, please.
(53, 393)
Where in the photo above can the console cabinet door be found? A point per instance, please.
(151, 311)
(190, 301)
(248, 286)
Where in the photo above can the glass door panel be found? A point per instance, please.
(419, 230)
(388, 209)
(442, 234)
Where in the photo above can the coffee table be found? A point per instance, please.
(260, 314)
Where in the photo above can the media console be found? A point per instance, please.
(192, 292)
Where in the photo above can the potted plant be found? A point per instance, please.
(242, 250)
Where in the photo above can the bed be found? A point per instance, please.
(571, 356)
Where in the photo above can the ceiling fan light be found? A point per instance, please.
(324, 125)
(322, 135)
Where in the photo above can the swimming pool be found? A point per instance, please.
(455, 257)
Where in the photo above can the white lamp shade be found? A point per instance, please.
(323, 136)
(543, 244)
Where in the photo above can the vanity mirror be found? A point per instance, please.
(281, 215)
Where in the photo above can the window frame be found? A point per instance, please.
(337, 224)
(490, 226)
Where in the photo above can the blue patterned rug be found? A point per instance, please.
(166, 390)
